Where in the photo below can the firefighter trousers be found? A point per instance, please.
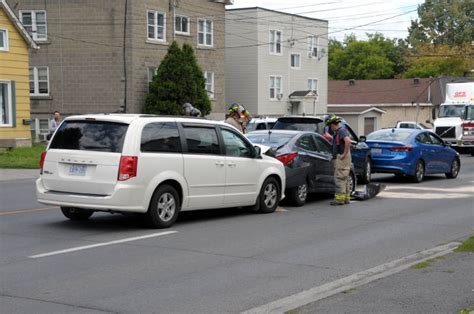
(342, 168)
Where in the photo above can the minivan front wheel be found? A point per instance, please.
(164, 207)
(269, 195)
(76, 214)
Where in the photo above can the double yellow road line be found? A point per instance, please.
(23, 211)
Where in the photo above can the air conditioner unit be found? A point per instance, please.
(279, 96)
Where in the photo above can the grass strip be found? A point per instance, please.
(21, 157)
(466, 246)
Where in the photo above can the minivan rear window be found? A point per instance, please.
(90, 135)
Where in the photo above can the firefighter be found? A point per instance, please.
(341, 148)
(235, 117)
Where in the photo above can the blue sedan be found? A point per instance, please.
(412, 153)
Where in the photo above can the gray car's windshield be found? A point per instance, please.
(447, 111)
(270, 139)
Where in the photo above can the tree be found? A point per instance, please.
(178, 80)
(443, 22)
(376, 58)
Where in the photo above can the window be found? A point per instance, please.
(90, 135)
(6, 110)
(312, 46)
(313, 84)
(275, 42)
(161, 137)
(235, 146)
(423, 138)
(156, 25)
(205, 32)
(369, 125)
(209, 76)
(3, 40)
(39, 81)
(295, 61)
(202, 140)
(35, 23)
(307, 143)
(323, 145)
(275, 87)
(181, 24)
(151, 74)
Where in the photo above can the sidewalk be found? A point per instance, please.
(18, 174)
(445, 285)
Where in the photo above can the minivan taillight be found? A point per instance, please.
(127, 167)
(401, 149)
(287, 158)
(42, 158)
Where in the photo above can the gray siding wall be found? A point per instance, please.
(241, 62)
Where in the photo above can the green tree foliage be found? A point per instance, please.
(179, 79)
(376, 58)
(443, 22)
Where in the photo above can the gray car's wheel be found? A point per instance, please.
(164, 207)
(76, 214)
(419, 171)
(298, 195)
(366, 176)
(455, 166)
(270, 195)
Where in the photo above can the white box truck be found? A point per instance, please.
(455, 120)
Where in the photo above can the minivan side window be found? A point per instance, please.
(235, 146)
(161, 137)
(202, 140)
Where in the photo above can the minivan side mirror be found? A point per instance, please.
(362, 138)
(257, 152)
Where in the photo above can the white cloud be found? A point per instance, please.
(345, 15)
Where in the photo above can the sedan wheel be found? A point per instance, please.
(419, 172)
(453, 173)
(164, 207)
(352, 182)
(367, 174)
(298, 195)
(269, 195)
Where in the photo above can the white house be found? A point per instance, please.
(276, 63)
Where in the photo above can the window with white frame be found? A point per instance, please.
(6, 109)
(39, 81)
(295, 61)
(151, 74)
(313, 84)
(156, 22)
(275, 87)
(209, 76)
(312, 46)
(181, 25)
(275, 42)
(3, 39)
(35, 23)
(205, 32)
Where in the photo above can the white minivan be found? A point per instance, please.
(154, 165)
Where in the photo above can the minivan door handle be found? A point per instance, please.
(219, 163)
(232, 164)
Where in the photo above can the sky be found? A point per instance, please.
(389, 17)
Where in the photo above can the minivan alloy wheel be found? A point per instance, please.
(270, 195)
(166, 207)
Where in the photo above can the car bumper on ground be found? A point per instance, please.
(126, 198)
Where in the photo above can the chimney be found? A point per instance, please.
(352, 82)
(416, 81)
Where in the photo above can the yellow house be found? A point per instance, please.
(14, 80)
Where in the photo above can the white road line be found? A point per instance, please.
(85, 247)
(329, 289)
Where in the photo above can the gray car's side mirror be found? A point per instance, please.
(257, 152)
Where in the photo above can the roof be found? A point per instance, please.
(303, 93)
(279, 12)
(353, 109)
(18, 25)
(374, 92)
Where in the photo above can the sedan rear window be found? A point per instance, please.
(270, 139)
(390, 135)
(90, 135)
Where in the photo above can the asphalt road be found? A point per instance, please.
(217, 261)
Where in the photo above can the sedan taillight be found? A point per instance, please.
(128, 167)
(42, 158)
(401, 149)
(287, 158)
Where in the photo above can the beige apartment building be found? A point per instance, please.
(99, 56)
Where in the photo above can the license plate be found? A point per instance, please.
(77, 170)
(376, 150)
